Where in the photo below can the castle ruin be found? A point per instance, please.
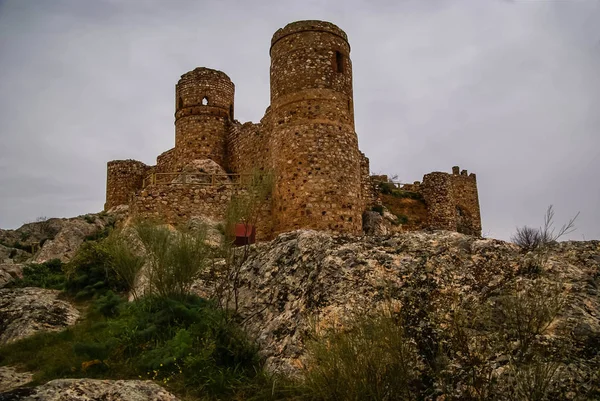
(306, 139)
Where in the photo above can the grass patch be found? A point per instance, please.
(187, 345)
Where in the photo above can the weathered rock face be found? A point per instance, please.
(306, 278)
(89, 389)
(10, 272)
(26, 311)
(65, 243)
(10, 379)
(49, 239)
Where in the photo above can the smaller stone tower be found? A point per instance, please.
(123, 179)
(452, 201)
(203, 112)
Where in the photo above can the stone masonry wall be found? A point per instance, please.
(123, 179)
(452, 201)
(248, 148)
(204, 100)
(177, 203)
(166, 162)
(315, 149)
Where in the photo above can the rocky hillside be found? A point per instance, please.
(304, 283)
(305, 278)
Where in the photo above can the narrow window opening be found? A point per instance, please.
(339, 62)
(180, 103)
(231, 111)
(204, 101)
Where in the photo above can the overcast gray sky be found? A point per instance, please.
(509, 90)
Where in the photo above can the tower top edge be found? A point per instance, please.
(308, 25)
(204, 73)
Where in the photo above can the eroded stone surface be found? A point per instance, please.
(26, 311)
(10, 378)
(89, 389)
(308, 276)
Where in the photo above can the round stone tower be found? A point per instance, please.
(203, 112)
(314, 145)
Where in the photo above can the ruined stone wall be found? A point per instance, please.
(177, 203)
(315, 149)
(248, 148)
(368, 187)
(204, 109)
(123, 179)
(452, 201)
(166, 162)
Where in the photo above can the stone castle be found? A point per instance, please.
(306, 139)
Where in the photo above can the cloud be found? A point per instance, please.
(508, 90)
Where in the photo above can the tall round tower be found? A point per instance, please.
(314, 145)
(203, 111)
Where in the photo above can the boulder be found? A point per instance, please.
(89, 389)
(26, 311)
(11, 379)
(9, 272)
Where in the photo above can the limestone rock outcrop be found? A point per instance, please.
(10, 378)
(26, 311)
(307, 278)
(89, 389)
(10, 272)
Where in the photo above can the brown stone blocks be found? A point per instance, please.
(249, 148)
(123, 179)
(310, 55)
(204, 101)
(452, 201)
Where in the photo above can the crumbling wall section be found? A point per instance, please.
(452, 201)
(166, 162)
(123, 179)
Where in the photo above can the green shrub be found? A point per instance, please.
(186, 344)
(372, 360)
(89, 273)
(176, 259)
(44, 275)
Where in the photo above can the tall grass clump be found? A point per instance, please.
(174, 259)
(371, 360)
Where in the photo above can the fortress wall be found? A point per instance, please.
(318, 179)
(248, 148)
(369, 189)
(452, 201)
(123, 179)
(464, 189)
(437, 191)
(166, 162)
(177, 203)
